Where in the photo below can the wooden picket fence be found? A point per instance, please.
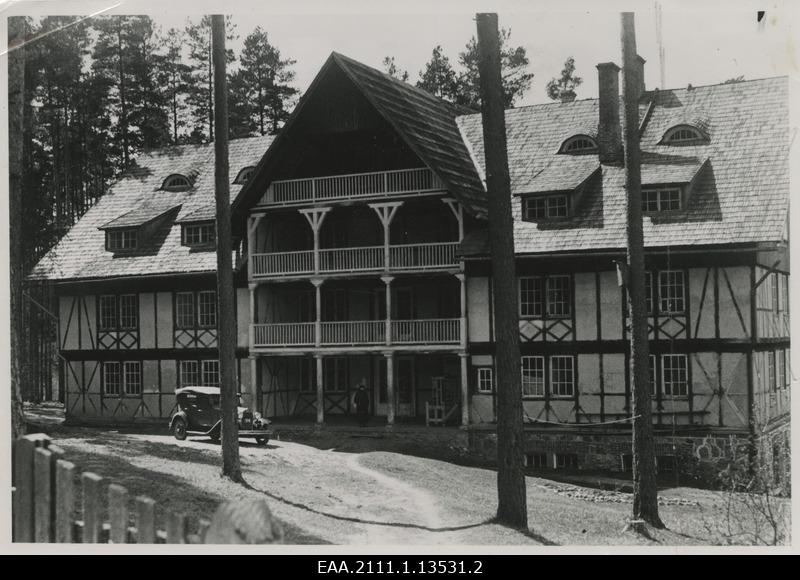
(44, 496)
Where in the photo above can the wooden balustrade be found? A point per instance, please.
(435, 331)
(339, 187)
(284, 333)
(353, 332)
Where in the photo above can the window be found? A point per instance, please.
(651, 367)
(782, 378)
(579, 144)
(118, 312)
(666, 199)
(210, 372)
(122, 378)
(772, 381)
(566, 461)
(485, 380)
(776, 285)
(121, 240)
(133, 378)
(334, 374)
(683, 135)
(199, 373)
(674, 374)
(533, 376)
(112, 382)
(207, 308)
(184, 310)
(545, 297)
(176, 182)
(244, 175)
(531, 296)
(546, 207)
(199, 235)
(671, 292)
(562, 377)
(536, 460)
(196, 310)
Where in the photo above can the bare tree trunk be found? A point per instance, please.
(226, 315)
(123, 117)
(512, 502)
(645, 492)
(16, 108)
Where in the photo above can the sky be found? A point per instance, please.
(704, 42)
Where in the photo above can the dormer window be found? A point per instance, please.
(176, 182)
(122, 240)
(200, 235)
(545, 207)
(579, 144)
(661, 199)
(244, 175)
(683, 135)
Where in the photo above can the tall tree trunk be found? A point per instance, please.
(512, 502)
(123, 117)
(210, 92)
(175, 114)
(16, 109)
(226, 315)
(645, 493)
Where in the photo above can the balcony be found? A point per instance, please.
(438, 331)
(380, 184)
(432, 256)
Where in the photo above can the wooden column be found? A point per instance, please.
(252, 228)
(386, 213)
(251, 331)
(464, 389)
(390, 398)
(320, 393)
(387, 280)
(315, 216)
(317, 282)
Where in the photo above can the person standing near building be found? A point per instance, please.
(361, 403)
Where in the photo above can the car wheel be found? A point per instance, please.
(262, 440)
(179, 428)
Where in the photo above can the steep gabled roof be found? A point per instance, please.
(81, 253)
(426, 123)
(740, 196)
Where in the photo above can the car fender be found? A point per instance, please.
(217, 427)
(175, 416)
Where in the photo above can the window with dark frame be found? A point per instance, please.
(184, 310)
(683, 135)
(661, 199)
(671, 292)
(189, 373)
(674, 375)
(210, 369)
(195, 310)
(122, 240)
(199, 373)
(533, 376)
(562, 376)
(549, 296)
(122, 378)
(199, 235)
(118, 312)
(485, 379)
(546, 207)
(207, 308)
(176, 182)
(579, 144)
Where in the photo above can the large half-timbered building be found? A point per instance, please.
(363, 258)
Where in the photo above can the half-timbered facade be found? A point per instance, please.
(363, 258)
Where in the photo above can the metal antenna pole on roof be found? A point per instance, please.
(226, 313)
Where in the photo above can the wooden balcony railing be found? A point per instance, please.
(358, 333)
(284, 334)
(341, 187)
(364, 259)
(435, 331)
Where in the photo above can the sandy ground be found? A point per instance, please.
(377, 498)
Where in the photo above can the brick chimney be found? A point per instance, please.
(609, 131)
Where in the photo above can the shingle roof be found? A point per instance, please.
(143, 214)
(81, 253)
(741, 197)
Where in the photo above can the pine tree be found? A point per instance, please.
(563, 88)
(515, 77)
(392, 70)
(200, 96)
(439, 78)
(173, 76)
(148, 98)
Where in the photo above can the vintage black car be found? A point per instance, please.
(199, 413)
